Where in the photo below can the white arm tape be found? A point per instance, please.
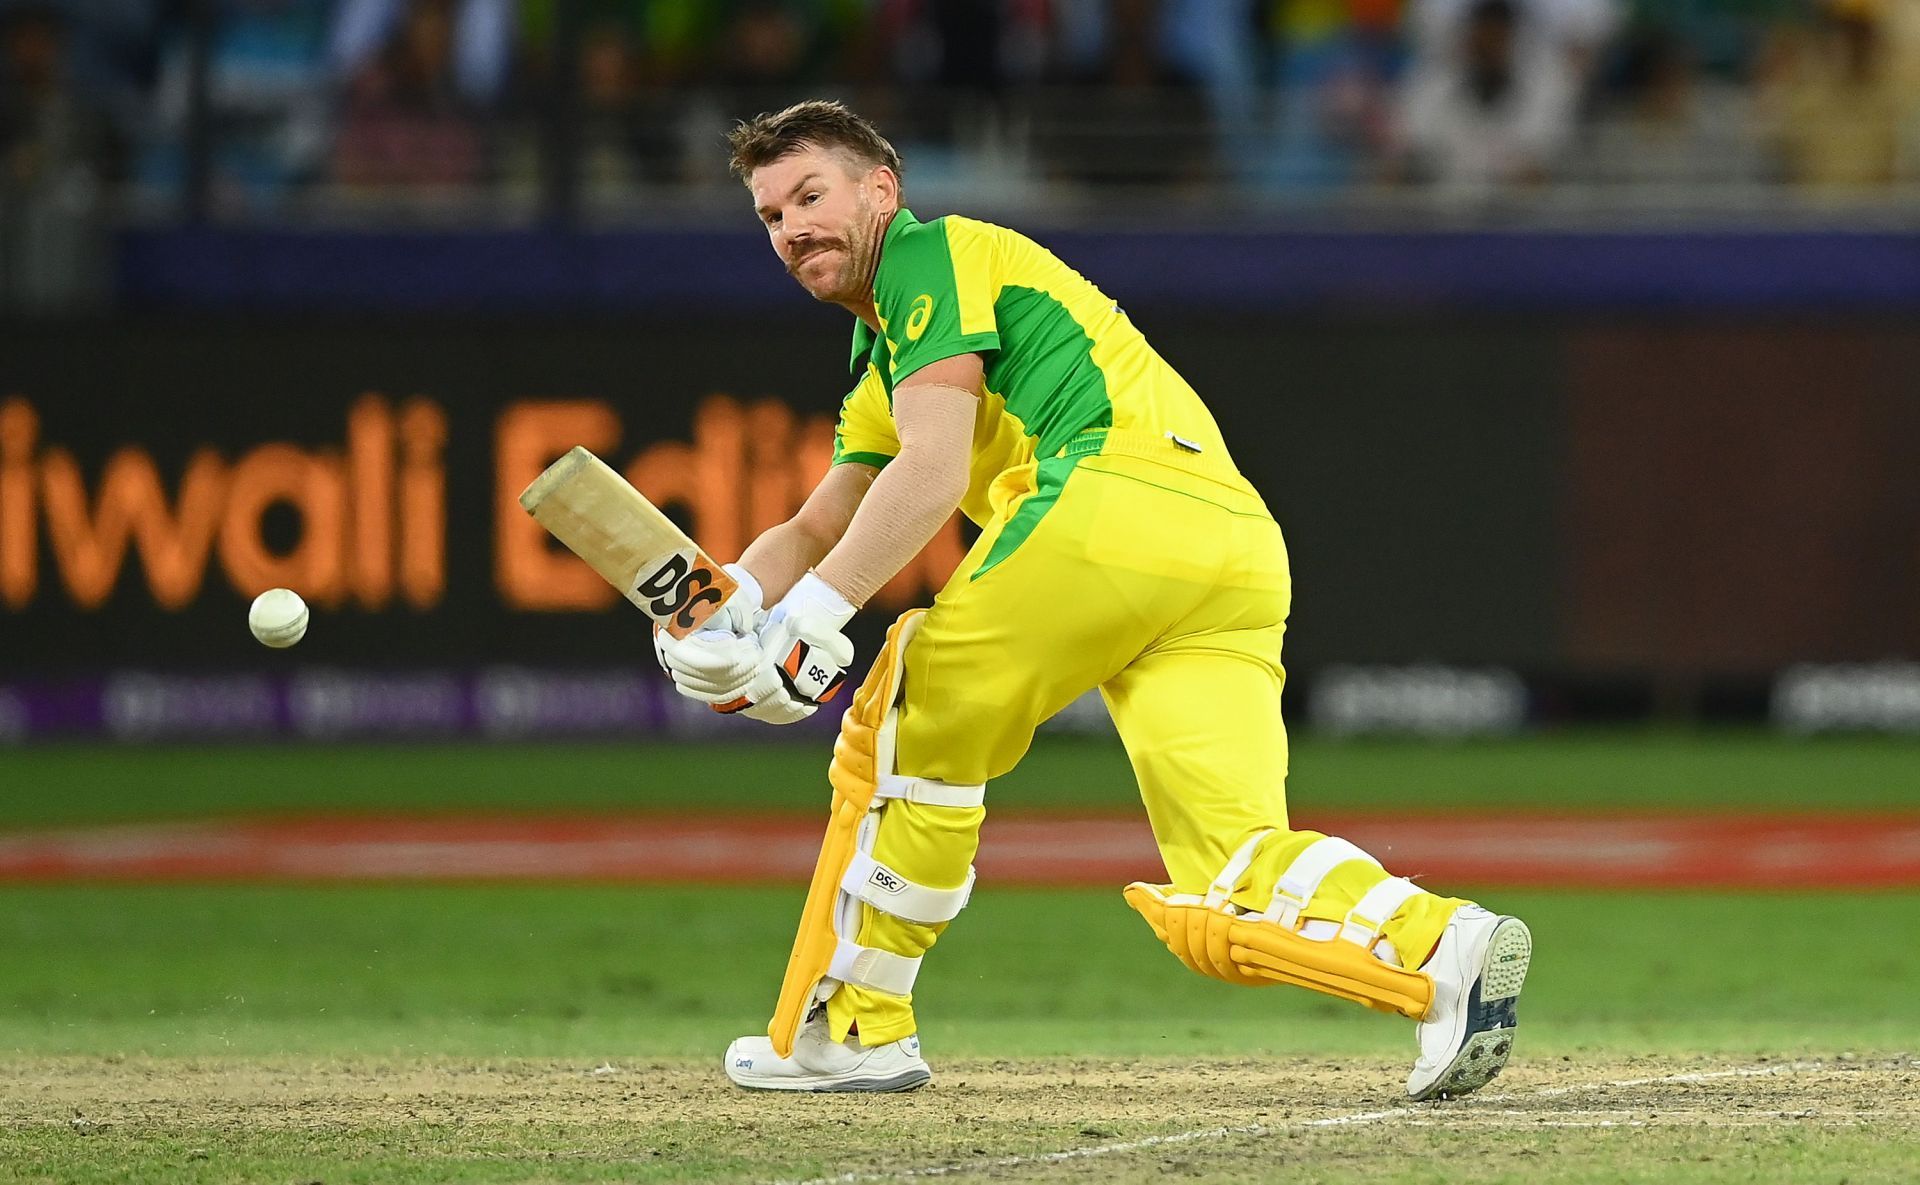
(1376, 909)
(928, 792)
(1302, 878)
(864, 966)
(889, 892)
(1229, 878)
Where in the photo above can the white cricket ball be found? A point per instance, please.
(278, 617)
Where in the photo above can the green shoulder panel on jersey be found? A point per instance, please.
(956, 285)
(1061, 358)
(933, 302)
(1056, 390)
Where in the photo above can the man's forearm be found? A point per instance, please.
(781, 555)
(913, 495)
(909, 502)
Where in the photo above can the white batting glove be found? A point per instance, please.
(709, 665)
(778, 706)
(806, 664)
(802, 657)
(723, 653)
(814, 599)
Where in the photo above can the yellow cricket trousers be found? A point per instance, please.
(1162, 580)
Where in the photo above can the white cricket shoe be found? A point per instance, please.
(1477, 971)
(823, 1064)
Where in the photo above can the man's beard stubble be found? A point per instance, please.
(857, 258)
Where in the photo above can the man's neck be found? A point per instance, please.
(864, 308)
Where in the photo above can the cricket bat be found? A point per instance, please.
(602, 519)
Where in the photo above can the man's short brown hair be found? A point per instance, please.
(816, 123)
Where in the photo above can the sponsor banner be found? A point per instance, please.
(1423, 700)
(146, 497)
(321, 704)
(156, 475)
(1847, 697)
(1573, 501)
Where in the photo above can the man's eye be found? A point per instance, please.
(812, 198)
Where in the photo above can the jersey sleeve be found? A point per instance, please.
(934, 293)
(865, 432)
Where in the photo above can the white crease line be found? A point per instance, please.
(1763, 1120)
(1264, 1129)
(1669, 1079)
(1554, 1092)
(1007, 1162)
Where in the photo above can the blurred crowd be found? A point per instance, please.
(254, 103)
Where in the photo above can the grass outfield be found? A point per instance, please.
(1596, 770)
(607, 973)
(406, 1034)
(431, 1033)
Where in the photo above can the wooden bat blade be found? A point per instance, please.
(635, 547)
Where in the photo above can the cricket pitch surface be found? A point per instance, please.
(1852, 1118)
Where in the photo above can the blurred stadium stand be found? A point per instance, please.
(482, 112)
(1592, 319)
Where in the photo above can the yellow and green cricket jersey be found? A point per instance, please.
(1062, 360)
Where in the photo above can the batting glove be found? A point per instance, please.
(802, 657)
(723, 652)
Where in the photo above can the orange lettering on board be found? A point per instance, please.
(770, 466)
(703, 480)
(370, 492)
(19, 545)
(345, 504)
(720, 442)
(89, 548)
(813, 456)
(530, 570)
(314, 484)
(423, 504)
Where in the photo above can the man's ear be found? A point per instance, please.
(886, 188)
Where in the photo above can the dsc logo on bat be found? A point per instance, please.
(680, 590)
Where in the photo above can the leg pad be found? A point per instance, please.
(1215, 940)
(849, 879)
(855, 774)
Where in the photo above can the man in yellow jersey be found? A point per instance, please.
(1121, 549)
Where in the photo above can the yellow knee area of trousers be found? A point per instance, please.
(934, 846)
(1247, 951)
(1414, 930)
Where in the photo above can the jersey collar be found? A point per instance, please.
(863, 337)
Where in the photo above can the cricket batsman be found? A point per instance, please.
(1120, 548)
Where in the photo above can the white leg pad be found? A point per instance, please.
(1376, 909)
(890, 892)
(864, 966)
(928, 792)
(1302, 878)
(1221, 891)
(869, 882)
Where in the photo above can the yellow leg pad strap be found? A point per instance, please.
(1245, 950)
(855, 777)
